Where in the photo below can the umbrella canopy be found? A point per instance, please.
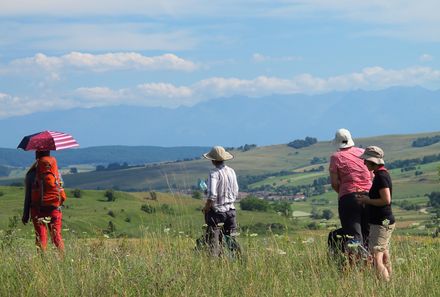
(47, 141)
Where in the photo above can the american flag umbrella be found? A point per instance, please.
(47, 141)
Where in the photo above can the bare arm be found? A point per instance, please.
(334, 178)
(208, 205)
(385, 198)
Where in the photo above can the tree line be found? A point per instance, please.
(425, 141)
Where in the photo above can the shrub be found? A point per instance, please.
(76, 193)
(165, 208)
(153, 195)
(148, 208)
(299, 143)
(1, 193)
(110, 195)
(253, 203)
(327, 214)
(111, 213)
(197, 195)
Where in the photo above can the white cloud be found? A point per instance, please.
(425, 58)
(259, 58)
(15, 106)
(54, 65)
(84, 35)
(106, 7)
(170, 95)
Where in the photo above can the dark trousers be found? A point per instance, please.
(354, 218)
(219, 223)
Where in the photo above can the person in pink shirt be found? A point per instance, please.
(349, 176)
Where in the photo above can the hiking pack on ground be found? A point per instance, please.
(229, 245)
(343, 249)
(47, 188)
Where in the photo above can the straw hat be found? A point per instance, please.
(343, 139)
(218, 153)
(373, 154)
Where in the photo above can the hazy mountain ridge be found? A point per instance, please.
(133, 155)
(239, 120)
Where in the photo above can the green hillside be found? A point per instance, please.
(258, 161)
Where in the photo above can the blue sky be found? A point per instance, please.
(59, 54)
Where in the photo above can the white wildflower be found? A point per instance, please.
(309, 240)
(400, 261)
(386, 222)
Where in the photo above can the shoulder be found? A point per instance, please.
(382, 177)
(358, 150)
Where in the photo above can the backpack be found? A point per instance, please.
(47, 188)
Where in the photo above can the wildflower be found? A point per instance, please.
(66, 229)
(309, 240)
(253, 234)
(181, 232)
(386, 222)
(166, 230)
(281, 252)
(400, 261)
(106, 236)
(220, 224)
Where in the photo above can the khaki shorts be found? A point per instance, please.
(379, 240)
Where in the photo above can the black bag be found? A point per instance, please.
(336, 242)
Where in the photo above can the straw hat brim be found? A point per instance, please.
(225, 157)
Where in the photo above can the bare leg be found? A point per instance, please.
(382, 271)
(387, 262)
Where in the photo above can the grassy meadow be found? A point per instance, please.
(142, 243)
(153, 254)
(166, 264)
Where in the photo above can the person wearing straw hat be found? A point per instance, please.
(222, 192)
(381, 218)
(349, 175)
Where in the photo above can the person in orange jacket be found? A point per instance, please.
(44, 196)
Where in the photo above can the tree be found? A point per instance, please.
(283, 207)
(434, 199)
(253, 203)
(111, 228)
(315, 214)
(100, 168)
(148, 208)
(299, 143)
(197, 195)
(110, 195)
(76, 193)
(327, 214)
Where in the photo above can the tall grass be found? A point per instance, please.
(166, 264)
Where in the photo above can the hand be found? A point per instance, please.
(362, 199)
(24, 220)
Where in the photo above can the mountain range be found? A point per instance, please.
(237, 121)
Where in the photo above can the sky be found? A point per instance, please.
(63, 54)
